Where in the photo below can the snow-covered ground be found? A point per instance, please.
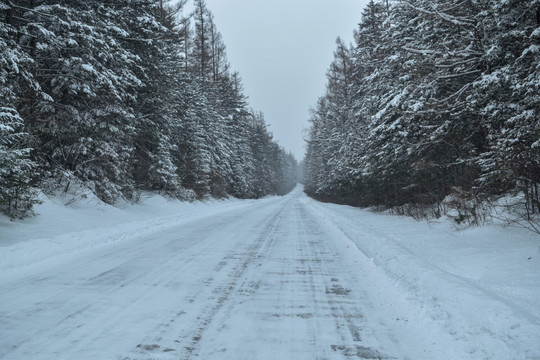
(277, 278)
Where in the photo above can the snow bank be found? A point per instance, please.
(67, 225)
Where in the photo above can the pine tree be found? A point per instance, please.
(85, 126)
(158, 66)
(201, 56)
(507, 97)
(233, 109)
(17, 195)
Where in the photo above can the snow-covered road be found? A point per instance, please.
(270, 279)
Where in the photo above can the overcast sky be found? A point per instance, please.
(282, 50)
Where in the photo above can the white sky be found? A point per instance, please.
(282, 50)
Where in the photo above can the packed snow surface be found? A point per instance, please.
(276, 278)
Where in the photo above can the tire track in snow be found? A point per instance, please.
(191, 343)
(301, 289)
(77, 304)
(343, 309)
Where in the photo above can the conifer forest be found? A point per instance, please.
(434, 100)
(121, 96)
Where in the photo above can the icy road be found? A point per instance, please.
(277, 278)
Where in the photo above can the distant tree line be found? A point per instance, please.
(434, 98)
(123, 96)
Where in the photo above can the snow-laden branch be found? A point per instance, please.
(446, 17)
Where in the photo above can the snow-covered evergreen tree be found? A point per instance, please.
(507, 97)
(17, 195)
(85, 126)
